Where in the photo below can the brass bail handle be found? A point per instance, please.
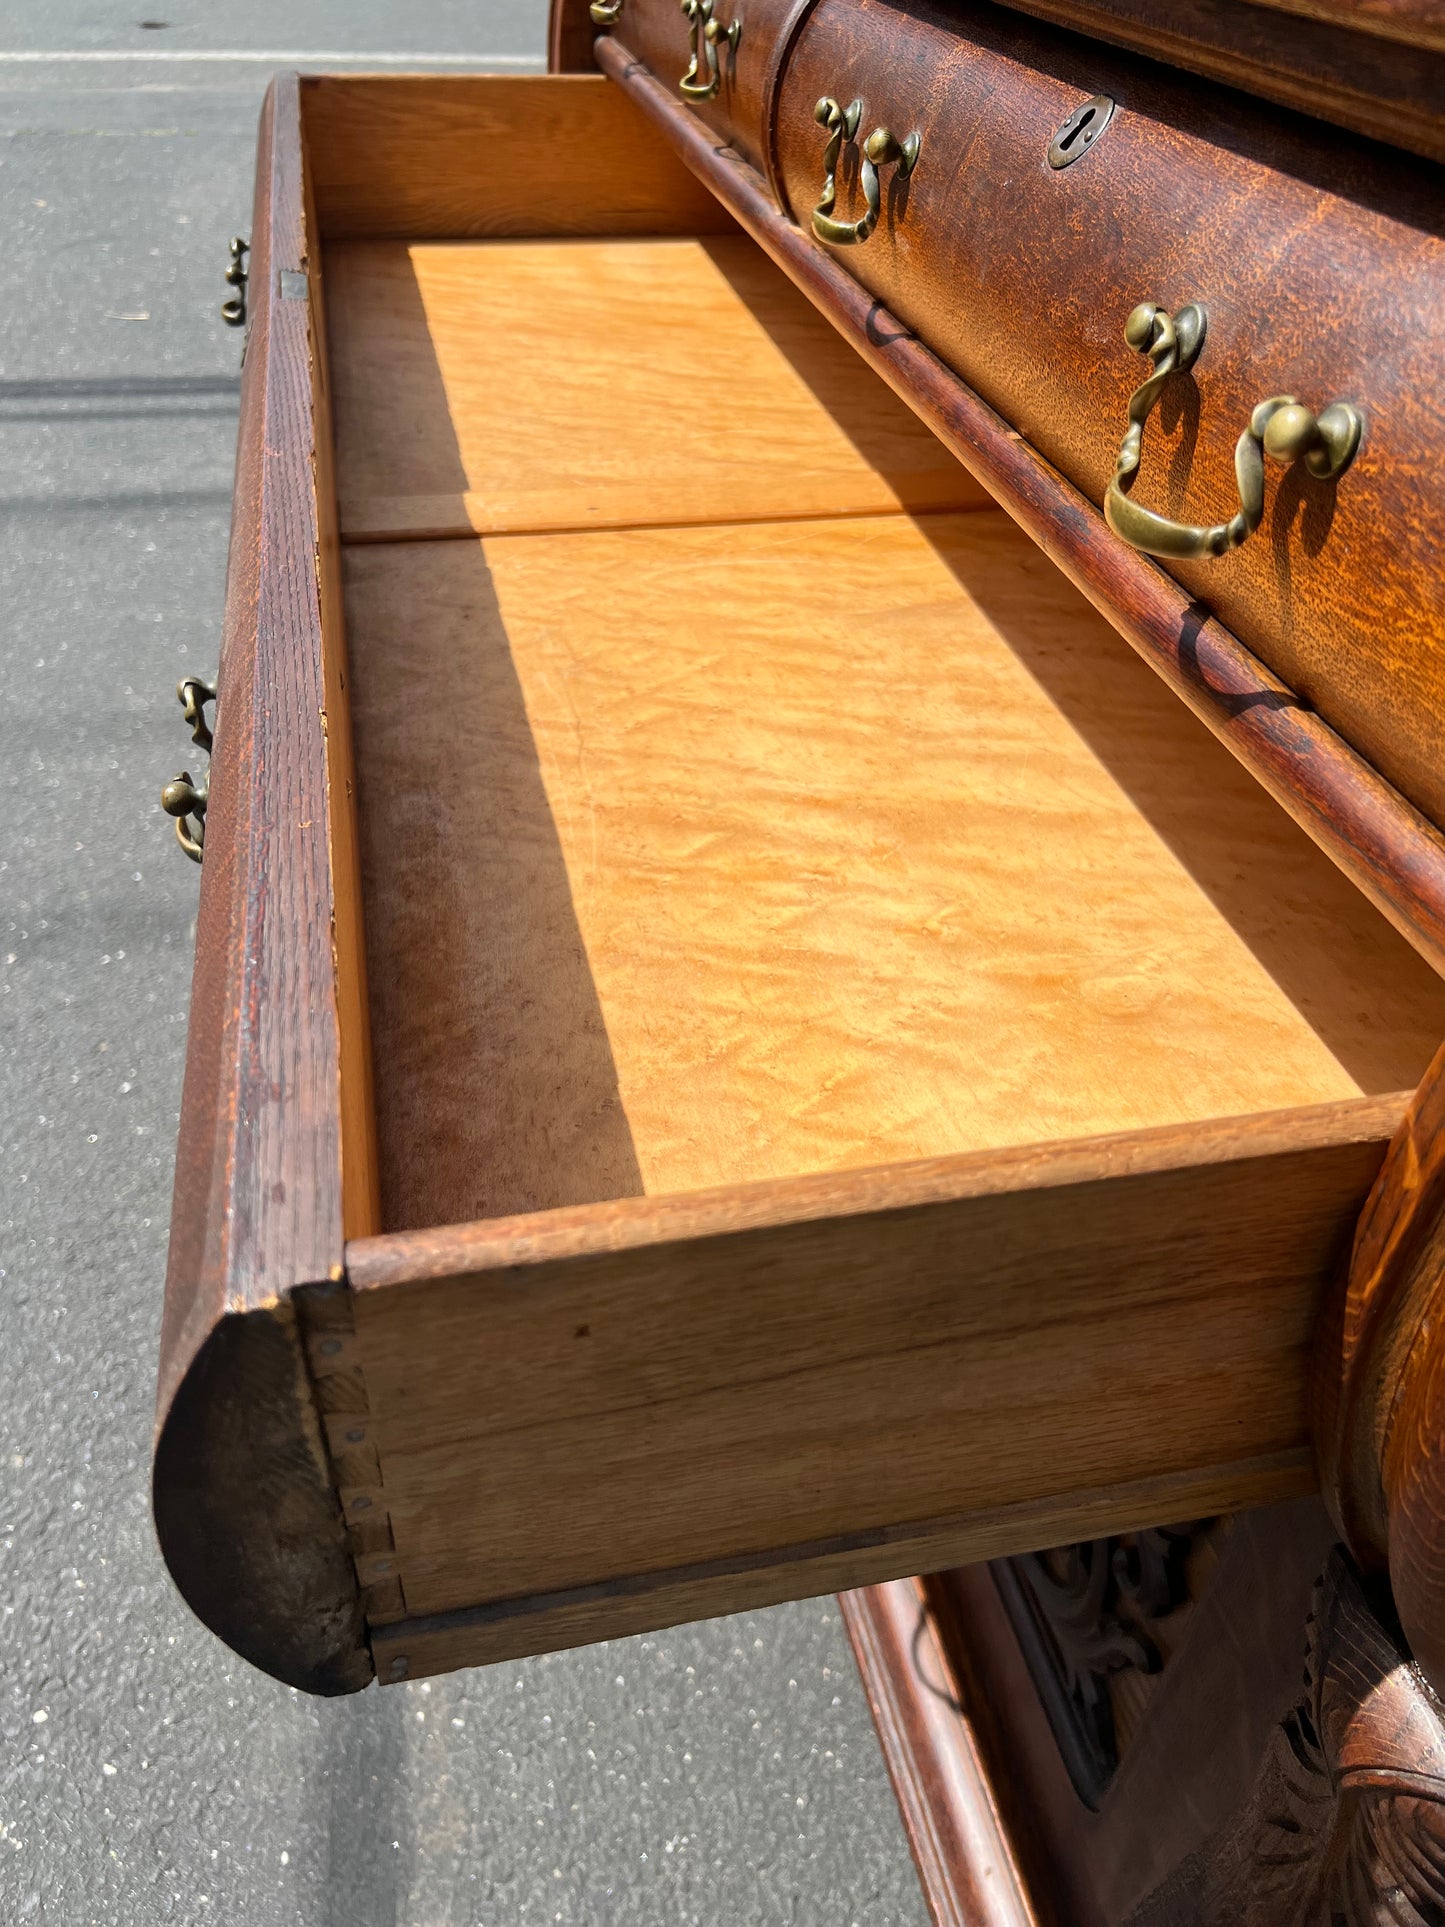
(1282, 428)
(604, 13)
(233, 312)
(881, 146)
(705, 34)
(181, 798)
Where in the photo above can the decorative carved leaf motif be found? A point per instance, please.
(1345, 1826)
(1081, 1614)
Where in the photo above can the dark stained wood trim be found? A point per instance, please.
(1380, 841)
(965, 1860)
(1334, 66)
(258, 1195)
(570, 34)
(1416, 23)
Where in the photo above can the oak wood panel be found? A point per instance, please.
(550, 1622)
(513, 386)
(942, 1360)
(1335, 68)
(965, 1859)
(246, 1516)
(450, 156)
(360, 1185)
(926, 861)
(1366, 826)
(1188, 195)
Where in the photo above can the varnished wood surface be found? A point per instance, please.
(1380, 1393)
(605, 383)
(837, 1380)
(739, 113)
(1202, 197)
(246, 1516)
(927, 861)
(965, 1859)
(1416, 23)
(1332, 64)
(1367, 827)
(360, 1198)
(447, 156)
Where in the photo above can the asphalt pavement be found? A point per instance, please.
(722, 1773)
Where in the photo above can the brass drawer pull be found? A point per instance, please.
(604, 13)
(180, 798)
(880, 147)
(1282, 428)
(704, 34)
(233, 312)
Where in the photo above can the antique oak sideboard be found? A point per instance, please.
(823, 910)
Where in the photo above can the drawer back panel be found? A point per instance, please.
(1021, 276)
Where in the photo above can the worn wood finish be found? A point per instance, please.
(1376, 837)
(834, 1378)
(557, 385)
(1333, 65)
(1201, 198)
(247, 1519)
(966, 1863)
(1380, 1397)
(360, 1199)
(457, 156)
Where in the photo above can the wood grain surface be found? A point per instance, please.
(1367, 827)
(739, 113)
(1188, 195)
(449, 156)
(965, 1859)
(247, 1518)
(1328, 62)
(598, 1418)
(1380, 1384)
(925, 859)
(493, 387)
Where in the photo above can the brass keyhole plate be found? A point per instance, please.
(1081, 130)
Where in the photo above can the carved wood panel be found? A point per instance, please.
(1345, 1824)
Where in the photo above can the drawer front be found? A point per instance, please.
(1318, 261)
(720, 56)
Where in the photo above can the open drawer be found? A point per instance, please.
(744, 1042)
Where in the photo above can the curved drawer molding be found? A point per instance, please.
(1281, 428)
(881, 147)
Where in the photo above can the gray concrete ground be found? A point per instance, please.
(722, 1773)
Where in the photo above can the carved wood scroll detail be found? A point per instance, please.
(1345, 1825)
(1082, 1614)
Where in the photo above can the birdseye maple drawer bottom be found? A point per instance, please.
(862, 1080)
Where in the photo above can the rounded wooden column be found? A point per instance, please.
(1380, 1380)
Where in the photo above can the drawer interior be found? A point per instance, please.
(741, 796)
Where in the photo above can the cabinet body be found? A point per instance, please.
(777, 1008)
